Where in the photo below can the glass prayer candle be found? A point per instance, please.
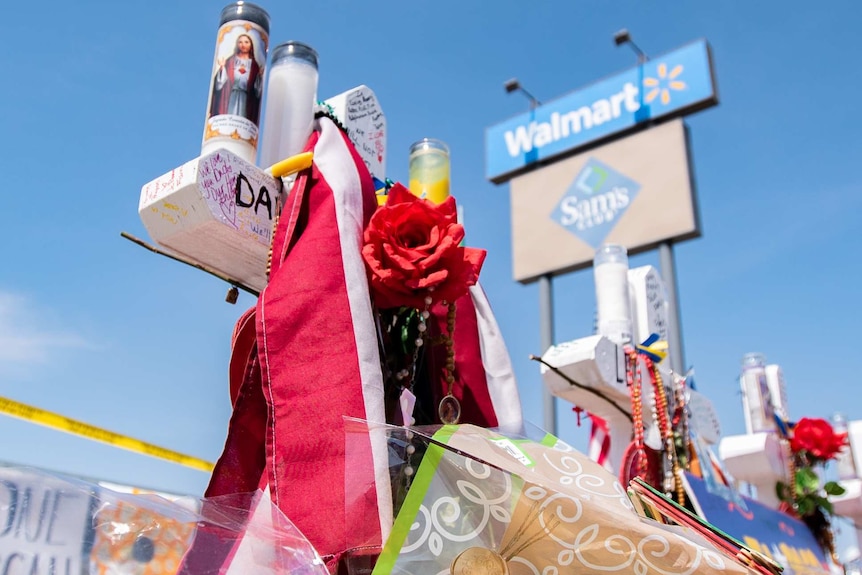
(429, 170)
(236, 83)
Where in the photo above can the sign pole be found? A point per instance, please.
(668, 273)
(546, 327)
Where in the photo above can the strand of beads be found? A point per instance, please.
(635, 385)
(409, 450)
(449, 409)
(682, 407)
(659, 412)
(672, 473)
(681, 415)
(410, 375)
(791, 468)
(279, 203)
(272, 239)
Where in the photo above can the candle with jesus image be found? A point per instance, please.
(236, 88)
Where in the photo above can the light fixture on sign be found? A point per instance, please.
(513, 85)
(623, 37)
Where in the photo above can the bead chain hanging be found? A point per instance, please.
(681, 416)
(409, 450)
(410, 377)
(271, 242)
(672, 475)
(791, 467)
(683, 423)
(635, 385)
(406, 377)
(449, 409)
(279, 204)
(659, 413)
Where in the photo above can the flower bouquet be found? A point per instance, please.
(812, 443)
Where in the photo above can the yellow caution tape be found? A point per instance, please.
(61, 423)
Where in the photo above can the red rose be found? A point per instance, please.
(817, 437)
(412, 250)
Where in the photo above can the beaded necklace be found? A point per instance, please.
(635, 385)
(449, 409)
(672, 471)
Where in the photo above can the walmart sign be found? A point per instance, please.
(675, 84)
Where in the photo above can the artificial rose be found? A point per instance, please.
(817, 437)
(412, 250)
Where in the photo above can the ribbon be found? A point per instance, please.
(653, 348)
(784, 426)
(600, 440)
(381, 189)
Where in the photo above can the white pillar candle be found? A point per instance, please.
(291, 94)
(756, 398)
(844, 462)
(611, 268)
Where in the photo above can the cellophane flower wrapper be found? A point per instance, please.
(360, 490)
(480, 488)
(74, 526)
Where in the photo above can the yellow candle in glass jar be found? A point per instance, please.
(429, 170)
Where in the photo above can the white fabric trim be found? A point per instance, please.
(500, 377)
(336, 163)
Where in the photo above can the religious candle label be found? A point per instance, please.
(236, 86)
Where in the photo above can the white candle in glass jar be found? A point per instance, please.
(290, 99)
(757, 400)
(611, 268)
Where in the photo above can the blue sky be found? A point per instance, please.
(105, 96)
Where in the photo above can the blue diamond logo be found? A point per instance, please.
(595, 201)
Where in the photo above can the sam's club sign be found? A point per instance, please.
(670, 85)
(595, 201)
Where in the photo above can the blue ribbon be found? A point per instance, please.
(653, 348)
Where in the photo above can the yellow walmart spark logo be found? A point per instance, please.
(664, 85)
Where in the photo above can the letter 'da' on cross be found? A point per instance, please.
(262, 198)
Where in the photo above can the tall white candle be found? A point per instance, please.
(611, 268)
(290, 100)
(757, 400)
(844, 461)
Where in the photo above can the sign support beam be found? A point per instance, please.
(668, 274)
(546, 328)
